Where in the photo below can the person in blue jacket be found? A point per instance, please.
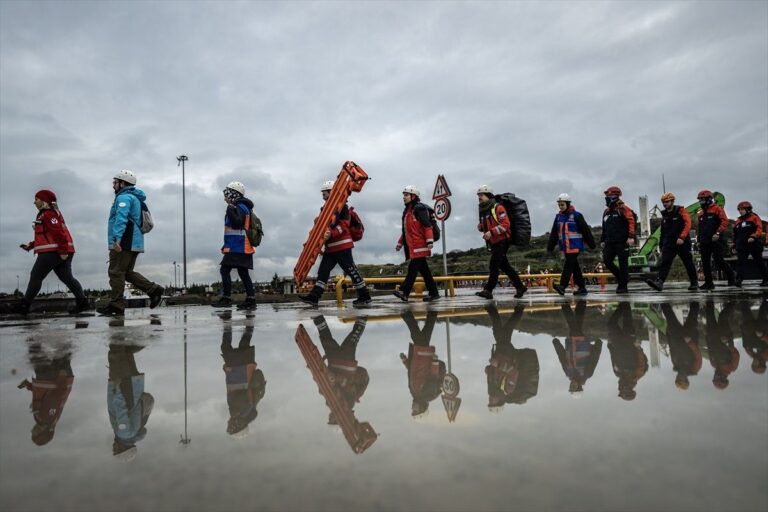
(570, 232)
(125, 242)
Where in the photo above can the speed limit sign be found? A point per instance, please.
(442, 208)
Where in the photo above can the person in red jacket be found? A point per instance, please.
(675, 241)
(425, 369)
(683, 343)
(723, 354)
(712, 222)
(747, 236)
(754, 334)
(496, 229)
(338, 251)
(416, 239)
(54, 249)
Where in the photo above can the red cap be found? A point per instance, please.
(745, 204)
(613, 191)
(46, 195)
(704, 194)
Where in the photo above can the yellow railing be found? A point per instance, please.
(418, 287)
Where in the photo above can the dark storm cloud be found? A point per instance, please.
(532, 98)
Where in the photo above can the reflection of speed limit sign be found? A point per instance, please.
(442, 208)
(450, 385)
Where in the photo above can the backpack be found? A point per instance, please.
(356, 228)
(433, 222)
(254, 232)
(517, 209)
(146, 219)
(637, 222)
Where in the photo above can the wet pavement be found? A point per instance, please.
(652, 401)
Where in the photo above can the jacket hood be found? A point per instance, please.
(140, 195)
(247, 202)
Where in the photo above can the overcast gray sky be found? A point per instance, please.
(533, 98)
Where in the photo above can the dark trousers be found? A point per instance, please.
(121, 270)
(755, 249)
(347, 349)
(500, 262)
(344, 260)
(708, 253)
(420, 336)
(419, 266)
(45, 262)
(618, 250)
(572, 267)
(668, 253)
(226, 281)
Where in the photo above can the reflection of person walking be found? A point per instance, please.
(126, 242)
(747, 234)
(425, 369)
(722, 351)
(570, 232)
(54, 249)
(683, 341)
(416, 240)
(497, 231)
(675, 241)
(128, 405)
(627, 357)
(754, 334)
(580, 354)
(245, 382)
(712, 222)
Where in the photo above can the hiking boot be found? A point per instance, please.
(656, 284)
(580, 292)
(430, 298)
(110, 310)
(248, 305)
(521, 291)
(694, 287)
(400, 295)
(486, 294)
(737, 283)
(80, 306)
(707, 286)
(22, 307)
(310, 299)
(763, 283)
(559, 289)
(156, 297)
(223, 302)
(622, 289)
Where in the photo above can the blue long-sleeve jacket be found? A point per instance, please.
(127, 418)
(125, 220)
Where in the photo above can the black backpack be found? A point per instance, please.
(517, 209)
(432, 221)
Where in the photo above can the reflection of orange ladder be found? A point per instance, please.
(351, 178)
(360, 436)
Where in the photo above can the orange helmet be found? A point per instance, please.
(613, 191)
(704, 194)
(669, 196)
(745, 205)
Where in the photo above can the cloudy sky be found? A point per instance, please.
(533, 98)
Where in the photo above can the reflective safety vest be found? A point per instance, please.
(236, 240)
(570, 239)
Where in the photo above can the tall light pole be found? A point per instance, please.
(181, 159)
(175, 277)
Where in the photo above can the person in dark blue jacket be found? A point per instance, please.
(570, 232)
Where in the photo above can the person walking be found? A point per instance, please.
(712, 222)
(338, 251)
(675, 241)
(617, 237)
(55, 251)
(237, 248)
(747, 237)
(416, 239)
(570, 232)
(126, 241)
(497, 231)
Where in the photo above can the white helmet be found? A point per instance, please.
(485, 189)
(126, 176)
(411, 189)
(564, 197)
(328, 185)
(237, 187)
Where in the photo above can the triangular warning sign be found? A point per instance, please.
(441, 188)
(451, 404)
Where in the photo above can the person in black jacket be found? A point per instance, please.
(618, 236)
(754, 334)
(683, 342)
(627, 357)
(570, 231)
(245, 381)
(722, 351)
(675, 241)
(581, 353)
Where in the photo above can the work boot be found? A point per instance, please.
(80, 306)
(581, 292)
(486, 294)
(223, 302)
(707, 286)
(110, 310)
(310, 299)
(248, 305)
(156, 297)
(430, 298)
(763, 283)
(559, 289)
(520, 291)
(22, 307)
(363, 298)
(656, 284)
(400, 295)
(737, 283)
(694, 287)
(622, 288)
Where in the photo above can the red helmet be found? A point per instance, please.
(744, 204)
(704, 194)
(613, 191)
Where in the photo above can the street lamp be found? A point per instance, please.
(181, 159)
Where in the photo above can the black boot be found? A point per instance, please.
(656, 284)
(248, 305)
(310, 299)
(156, 297)
(520, 291)
(694, 287)
(22, 307)
(486, 294)
(363, 297)
(559, 289)
(400, 295)
(223, 302)
(80, 306)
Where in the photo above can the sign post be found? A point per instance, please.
(442, 209)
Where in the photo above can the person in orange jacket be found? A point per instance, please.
(416, 239)
(723, 354)
(55, 251)
(754, 334)
(712, 222)
(629, 361)
(675, 241)
(683, 342)
(747, 235)
(245, 381)
(497, 230)
(50, 389)
(425, 369)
